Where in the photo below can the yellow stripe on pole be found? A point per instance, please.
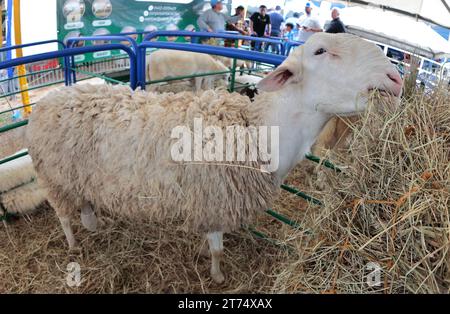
(21, 68)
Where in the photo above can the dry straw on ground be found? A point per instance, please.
(390, 206)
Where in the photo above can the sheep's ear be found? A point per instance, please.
(287, 73)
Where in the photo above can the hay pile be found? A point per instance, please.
(390, 206)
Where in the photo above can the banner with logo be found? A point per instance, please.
(101, 17)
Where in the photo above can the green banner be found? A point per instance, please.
(100, 17)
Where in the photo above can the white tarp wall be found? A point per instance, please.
(38, 21)
(396, 30)
(436, 11)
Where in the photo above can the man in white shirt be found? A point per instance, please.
(309, 25)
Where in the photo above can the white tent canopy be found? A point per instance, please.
(435, 11)
(396, 30)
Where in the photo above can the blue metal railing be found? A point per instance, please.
(213, 50)
(286, 45)
(71, 73)
(208, 49)
(222, 35)
(69, 52)
(33, 44)
(137, 52)
(45, 42)
(110, 37)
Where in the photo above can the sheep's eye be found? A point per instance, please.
(319, 51)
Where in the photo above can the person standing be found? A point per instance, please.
(309, 26)
(213, 20)
(238, 26)
(288, 32)
(336, 25)
(260, 26)
(276, 19)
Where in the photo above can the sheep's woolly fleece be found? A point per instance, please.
(110, 146)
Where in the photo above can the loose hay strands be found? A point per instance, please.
(390, 207)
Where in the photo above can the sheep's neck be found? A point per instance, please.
(298, 129)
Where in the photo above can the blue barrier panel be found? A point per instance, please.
(76, 51)
(71, 74)
(290, 44)
(223, 35)
(66, 59)
(33, 44)
(228, 35)
(213, 50)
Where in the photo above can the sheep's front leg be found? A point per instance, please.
(215, 240)
(88, 218)
(209, 81)
(198, 84)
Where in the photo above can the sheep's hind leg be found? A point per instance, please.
(67, 228)
(215, 240)
(88, 218)
(63, 211)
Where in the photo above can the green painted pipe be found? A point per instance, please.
(99, 76)
(265, 237)
(16, 156)
(326, 163)
(233, 69)
(16, 108)
(32, 88)
(13, 126)
(29, 74)
(186, 77)
(282, 218)
(301, 194)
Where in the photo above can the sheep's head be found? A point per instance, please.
(334, 74)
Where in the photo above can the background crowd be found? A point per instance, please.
(269, 23)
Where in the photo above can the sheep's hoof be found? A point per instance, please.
(89, 221)
(218, 277)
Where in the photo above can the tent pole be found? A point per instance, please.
(19, 53)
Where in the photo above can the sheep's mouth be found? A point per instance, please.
(383, 92)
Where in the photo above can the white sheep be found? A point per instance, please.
(163, 64)
(107, 147)
(19, 192)
(16, 172)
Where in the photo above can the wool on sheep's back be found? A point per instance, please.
(110, 146)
